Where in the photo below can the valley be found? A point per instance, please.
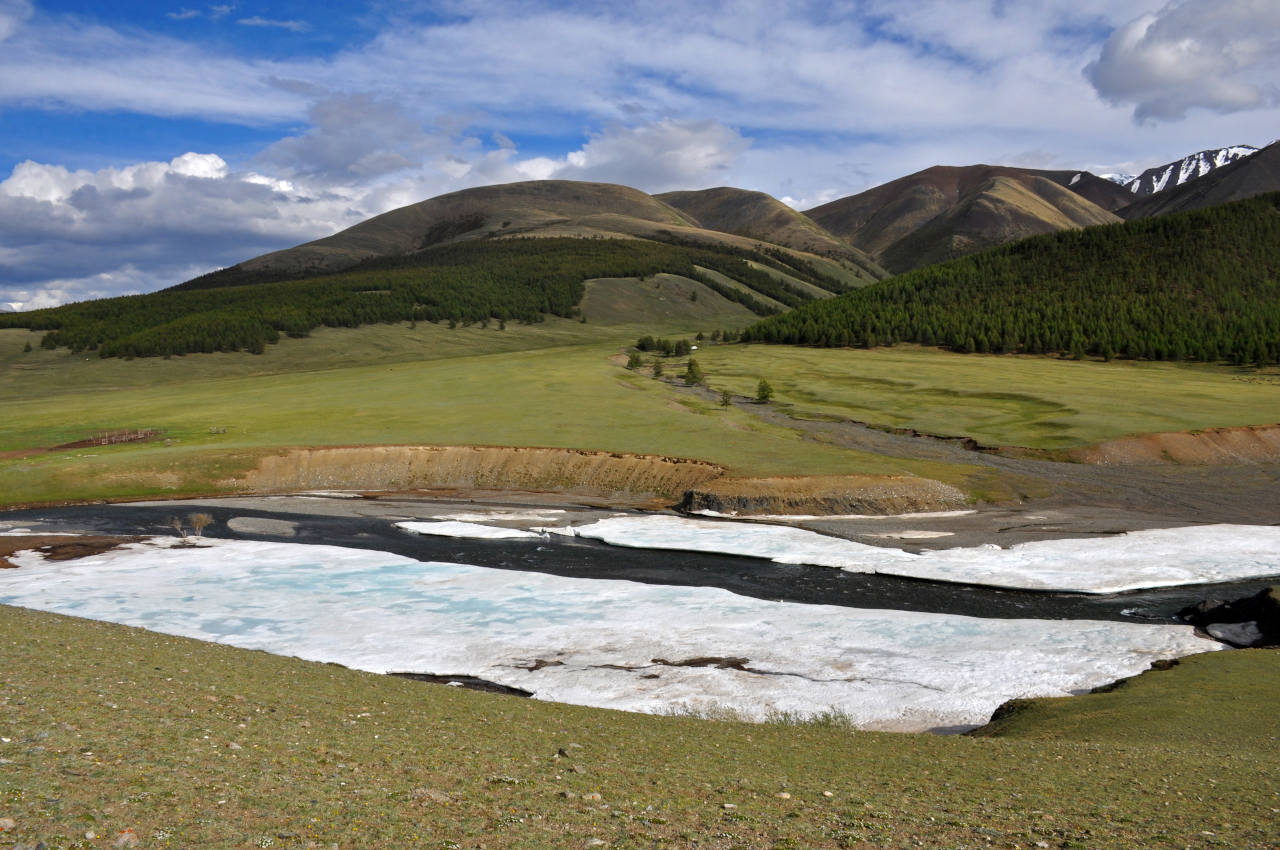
(441, 424)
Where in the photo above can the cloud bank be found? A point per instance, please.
(1219, 55)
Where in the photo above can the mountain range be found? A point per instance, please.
(931, 216)
(1173, 174)
(524, 251)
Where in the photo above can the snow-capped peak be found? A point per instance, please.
(1173, 174)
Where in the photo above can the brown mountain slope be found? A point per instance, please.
(1003, 210)
(756, 215)
(1244, 178)
(547, 207)
(946, 211)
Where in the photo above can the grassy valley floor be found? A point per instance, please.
(563, 384)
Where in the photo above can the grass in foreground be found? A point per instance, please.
(107, 729)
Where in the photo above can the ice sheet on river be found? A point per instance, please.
(1161, 557)
(614, 644)
(458, 528)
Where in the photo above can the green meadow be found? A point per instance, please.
(998, 400)
(563, 383)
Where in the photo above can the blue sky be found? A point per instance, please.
(144, 143)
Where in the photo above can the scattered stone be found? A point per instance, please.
(1248, 622)
(568, 795)
(430, 794)
(827, 794)
(126, 838)
(783, 795)
(730, 806)
(577, 768)
(1236, 634)
(232, 745)
(503, 780)
(597, 842)
(593, 796)
(7, 824)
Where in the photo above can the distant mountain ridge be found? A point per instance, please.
(561, 208)
(945, 212)
(931, 216)
(1248, 176)
(1174, 174)
(756, 215)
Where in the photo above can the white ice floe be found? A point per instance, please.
(450, 528)
(1161, 557)
(606, 643)
(811, 517)
(503, 515)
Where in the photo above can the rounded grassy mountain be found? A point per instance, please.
(947, 211)
(757, 215)
(542, 207)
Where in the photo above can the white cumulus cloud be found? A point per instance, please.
(656, 157)
(70, 235)
(1219, 55)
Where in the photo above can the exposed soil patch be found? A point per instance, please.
(828, 494)
(59, 548)
(1245, 444)
(477, 467)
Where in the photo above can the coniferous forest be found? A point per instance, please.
(521, 280)
(1203, 285)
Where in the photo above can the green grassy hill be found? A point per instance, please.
(499, 281)
(536, 208)
(1202, 286)
(756, 215)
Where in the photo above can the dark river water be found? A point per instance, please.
(579, 558)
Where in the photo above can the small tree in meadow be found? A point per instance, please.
(726, 398)
(764, 391)
(693, 373)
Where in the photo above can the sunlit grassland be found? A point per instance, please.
(562, 384)
(1038, 402)
(218, 420)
